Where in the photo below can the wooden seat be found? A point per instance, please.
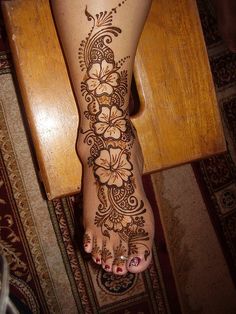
(178, 120)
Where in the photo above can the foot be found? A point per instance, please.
(118, 219)
(117, 215)
(226, 16)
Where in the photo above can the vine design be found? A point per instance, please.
(110, 134)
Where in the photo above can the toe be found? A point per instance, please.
(107, 256)
(119, 269)
(88, 241)
(97, 250)
(138, 262)
(120, 258)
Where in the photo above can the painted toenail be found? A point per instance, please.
(119, 270)
(98, 260)
(107, 267)
(135, 261)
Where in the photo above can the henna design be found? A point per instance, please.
(96, 251)
(106, 255)
(110, 136)
(119, 251)
(86, 240)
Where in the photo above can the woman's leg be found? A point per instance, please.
(99, 40)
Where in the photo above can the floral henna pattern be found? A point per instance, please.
(111, 123)
(102, 78)
(110, 135)
(113, 167)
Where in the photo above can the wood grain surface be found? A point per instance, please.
(48, 99)
(178, 120)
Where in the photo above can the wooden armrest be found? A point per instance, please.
(178, 121)
(47, 96)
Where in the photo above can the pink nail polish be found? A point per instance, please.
(135, 261)
(119, 270)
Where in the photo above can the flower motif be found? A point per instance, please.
(111, 123)
(116, 221)
(102, 79)
(113, 167)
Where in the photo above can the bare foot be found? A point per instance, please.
(118, 218)
(226, 15)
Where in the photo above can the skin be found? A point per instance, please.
(99, 42)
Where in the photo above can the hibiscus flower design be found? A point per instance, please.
(111, 123)
(113, 167)
(102, 79)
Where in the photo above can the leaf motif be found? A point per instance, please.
(13, 257)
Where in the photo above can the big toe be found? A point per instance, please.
(139, 262)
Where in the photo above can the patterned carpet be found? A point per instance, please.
(217, 175)
(197, 202)
(41, 240)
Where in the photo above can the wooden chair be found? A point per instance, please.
(178, 120)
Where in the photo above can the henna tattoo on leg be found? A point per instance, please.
(110, 138)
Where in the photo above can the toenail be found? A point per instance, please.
(135, 261)
(98, 260)
(119, 270)
(107, 267)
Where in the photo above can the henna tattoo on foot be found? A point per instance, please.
(87, 240)
(96, 251)
(120, 252)
(110, 138)
(106, 254)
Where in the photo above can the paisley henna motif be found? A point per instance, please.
(110, 136)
